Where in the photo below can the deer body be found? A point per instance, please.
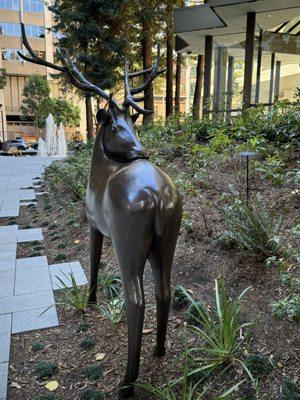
(130, 201)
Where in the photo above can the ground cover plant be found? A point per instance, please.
(261, 252)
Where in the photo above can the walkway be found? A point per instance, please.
(26, 285)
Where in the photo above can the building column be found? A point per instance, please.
(207, 73)
(220, 80)
(258, 71)
(249, 59)
(271, 87)
(277, 80)
(229, 89)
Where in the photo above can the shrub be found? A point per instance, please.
(45, 369)
(110, 282)
(114, 309)
(37, 346)
(193, 316)
(180, 300)
(93, 372)
(74, 296)
(289, 306)
(254, 227)
(258, 364)
(60, 257)
(91, 394)
(82, 327)
(290, 391)
(87, 343)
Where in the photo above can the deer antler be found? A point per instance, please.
(132, 101)
(68, 68)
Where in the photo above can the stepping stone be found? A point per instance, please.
(32, 262)
(3, 380)
(8, 247)
(63, 272)
(25, 302)
(30, 235)
(5, 332)
(7, 283)
(7, 255)
(32, 279)
(30, 320)
(7, 265)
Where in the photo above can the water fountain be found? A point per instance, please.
(55, 143)
(61, 141)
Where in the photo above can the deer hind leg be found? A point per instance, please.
(131, 262)
(161, 258)
(96, 240)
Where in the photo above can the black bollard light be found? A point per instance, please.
(247, 155)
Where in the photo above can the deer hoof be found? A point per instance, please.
(126, 391)
(159, 352)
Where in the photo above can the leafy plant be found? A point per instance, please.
(114, 309)
(82, 327)
(192, 315)
(60, 257)
(93, 372)
(289, 306)
(87, 343)
(180, 300)
(74, 296)
(258, 364)
(48, 396)
(37, 346)
(220, 333)
(254, 227)
(110, 282)
(290, 390)
(45, 369)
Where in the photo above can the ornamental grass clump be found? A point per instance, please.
(45, 369)
(74, 296)
(93, 372)
(180, 299)
(258, 364)
(254, 228)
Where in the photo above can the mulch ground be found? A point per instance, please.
(200, 258)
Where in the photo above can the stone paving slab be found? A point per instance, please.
(7, 265)
(30, 235)
(63, 272)
(30, 320)
(3, 380)
(25, 302)
(32, 279)
(5, 332)
(7, 255)
(7, 283)
(12, 246)
(32, 262)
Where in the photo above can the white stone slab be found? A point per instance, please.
(7, 255)
(12, 246)
(30, 320)
(32, 279)
(7, 265)
(63, 271)
(30, 235)
(5, 332)
(3, 380)
(7, 283)
(32, 262)
(25, 302)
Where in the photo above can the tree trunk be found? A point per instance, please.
(198, 87)
(147, 62)
(89, 117)
(170, 49)
(178, 82)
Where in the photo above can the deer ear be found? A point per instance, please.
(102, 116)
(134, 117)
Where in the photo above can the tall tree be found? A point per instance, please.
(198, 87)
(179, 62)
(91, 31)
(170, 62)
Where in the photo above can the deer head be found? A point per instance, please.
(119, 138)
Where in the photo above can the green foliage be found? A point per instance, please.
(87, 343)
(289, 306)
(60, 257)
(220, 333)
(75, 297)
(192, 315)
(254, 227)
(180, 300)
(2, 77)
(45, 369)
(93, 372)
(82, 327)
(71, 176)
(114, 309)
(36, 99)
(64, 112)
(258, 364)
(290, 391)
(37, 346)
(91, 394)
(48, 396)
(110, 282)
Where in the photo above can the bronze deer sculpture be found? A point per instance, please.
(133, 203)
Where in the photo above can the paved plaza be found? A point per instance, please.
(27, 284)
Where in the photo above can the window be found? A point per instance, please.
(10, 54)
(10, 4)
(34, 6)
(10, 29)
(35, 31)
